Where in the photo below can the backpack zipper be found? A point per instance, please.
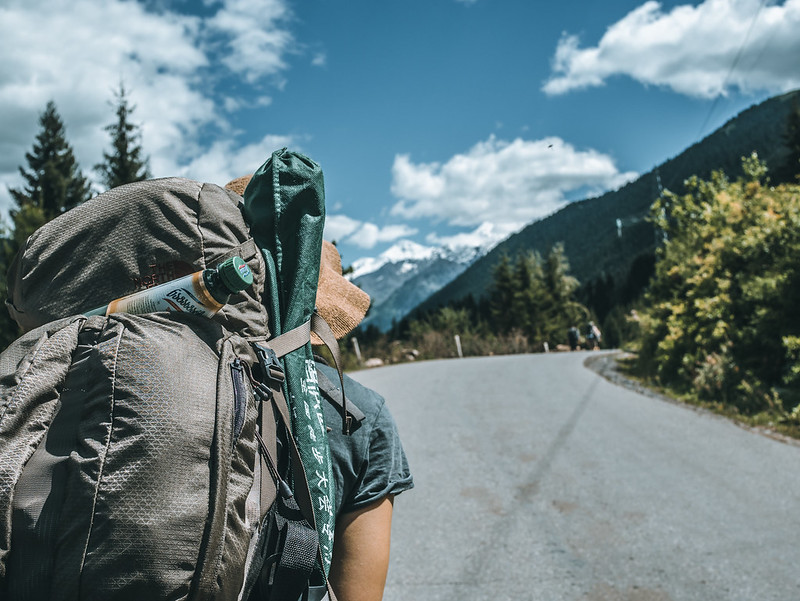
(239, 397)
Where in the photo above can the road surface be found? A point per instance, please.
(538, 479)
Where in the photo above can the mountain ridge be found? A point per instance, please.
(405, 275)
(604, 236)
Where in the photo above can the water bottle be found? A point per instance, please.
(201, 293)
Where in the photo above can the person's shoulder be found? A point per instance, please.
(369, 402)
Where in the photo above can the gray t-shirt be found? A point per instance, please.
(370, 464)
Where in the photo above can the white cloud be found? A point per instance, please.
(702, 51)
(257, 40)
(507, 184)
(486, 235)
(78, 53)
(363, 234)
(369, 234)
(225, 161)
(236, 103)
(339, 227)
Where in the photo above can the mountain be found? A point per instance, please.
(405, 275)
(606, 238)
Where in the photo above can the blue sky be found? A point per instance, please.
(436, 121)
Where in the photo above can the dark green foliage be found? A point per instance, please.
(529, 298)
(535, 297)
(8, 327)
(600, 295)
(53, 184)
(720, 316)
(125, 163)
(501, 295)
(791, 166)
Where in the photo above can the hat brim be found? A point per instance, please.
(340, 302)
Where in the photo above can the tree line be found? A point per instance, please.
(55, 183)
(530, 306)
(711, 316)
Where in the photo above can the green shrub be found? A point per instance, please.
(720, 316)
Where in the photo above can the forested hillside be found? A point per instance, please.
(604, 237)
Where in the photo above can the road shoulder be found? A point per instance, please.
(606, 364)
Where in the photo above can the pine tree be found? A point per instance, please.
(8, 327)
(561, 284)
(54, 183)
(124, 164)
(526, 304)
(792, 140)
(501, 296)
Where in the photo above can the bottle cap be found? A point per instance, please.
(235, 274)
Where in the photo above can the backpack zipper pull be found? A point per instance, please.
(283, 487)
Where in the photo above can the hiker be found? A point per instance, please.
(369, 465)
(164, 435)
(593, 336)
(573, 336)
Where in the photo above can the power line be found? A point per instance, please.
(733, 67)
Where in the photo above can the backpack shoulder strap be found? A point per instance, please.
(333, 393)
(294, 512)
(299, 336)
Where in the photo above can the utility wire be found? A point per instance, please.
(731, 70)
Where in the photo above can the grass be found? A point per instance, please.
(770, 422)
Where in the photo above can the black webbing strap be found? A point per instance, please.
(287, 573)
(299, 543)
(304, 506)
(271, 395)
(294, 512)
(333, 394)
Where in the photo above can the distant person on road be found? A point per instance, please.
(369, 465)
(593, 336)
(573, 337)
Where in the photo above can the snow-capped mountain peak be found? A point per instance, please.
(405, 274)
(411, 255)
(403, 251)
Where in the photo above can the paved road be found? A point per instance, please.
(538, 479)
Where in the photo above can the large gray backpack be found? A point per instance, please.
(147, 456)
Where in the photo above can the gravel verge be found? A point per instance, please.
(605, 363)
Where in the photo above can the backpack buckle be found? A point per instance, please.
(270, 365)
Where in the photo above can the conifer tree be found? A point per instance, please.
(53, 184)
(527, 300)
(501, 295)
(559, 310)
(792, 139)
(8, 327)
(125, 163)
(561, 284)
(53, 181)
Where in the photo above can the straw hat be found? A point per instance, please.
(340, 302)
